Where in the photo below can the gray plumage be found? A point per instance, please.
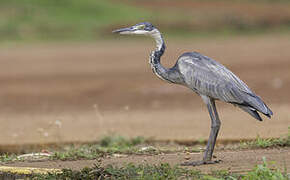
(206, 77)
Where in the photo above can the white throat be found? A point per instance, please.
(158, 38)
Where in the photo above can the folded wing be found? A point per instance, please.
(207, 77)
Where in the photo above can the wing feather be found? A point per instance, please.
(205, 76)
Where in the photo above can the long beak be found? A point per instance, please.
(123, 30)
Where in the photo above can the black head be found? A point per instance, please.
(140, 28)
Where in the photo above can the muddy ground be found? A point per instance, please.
(80, 92)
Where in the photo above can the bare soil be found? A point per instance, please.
(65, 93)
(233, 161)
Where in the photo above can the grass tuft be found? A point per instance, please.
(8, 157)
(130, 171)
(74, 153)
(120, 141)
(269, 142)
(164, 171)
(262, 171)
(107, 145)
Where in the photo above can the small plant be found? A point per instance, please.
(164, 171)
(263, 172)
(119, 141)
(269, 142)
(130, 171)
(8, 157)
(73, 153)
(107, 145)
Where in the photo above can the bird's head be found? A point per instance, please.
(145, 28)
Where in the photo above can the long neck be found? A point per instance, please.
(170, 75)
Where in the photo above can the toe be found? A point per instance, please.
(194, 163)
(198, 163)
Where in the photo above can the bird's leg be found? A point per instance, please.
(215, 126)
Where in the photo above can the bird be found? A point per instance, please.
(206, 77)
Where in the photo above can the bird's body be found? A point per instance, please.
(206, 77)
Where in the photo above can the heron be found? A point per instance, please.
(206, 77)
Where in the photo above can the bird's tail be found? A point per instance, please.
(253, 104)
(251, 111)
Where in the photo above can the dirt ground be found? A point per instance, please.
(233, 161)
(81, 92)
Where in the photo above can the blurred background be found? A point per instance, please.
(65, 77)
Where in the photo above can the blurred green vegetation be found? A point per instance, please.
(26, 20)
(89, 20)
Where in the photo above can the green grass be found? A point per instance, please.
(8, 157)
(92, 20)
(165, 171)
(262, 171)
(118, 144)
(267, 143)
(108, 145)
(54, 20)
(120, 141)
(115, 144)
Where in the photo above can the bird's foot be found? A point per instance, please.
(198, 163)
